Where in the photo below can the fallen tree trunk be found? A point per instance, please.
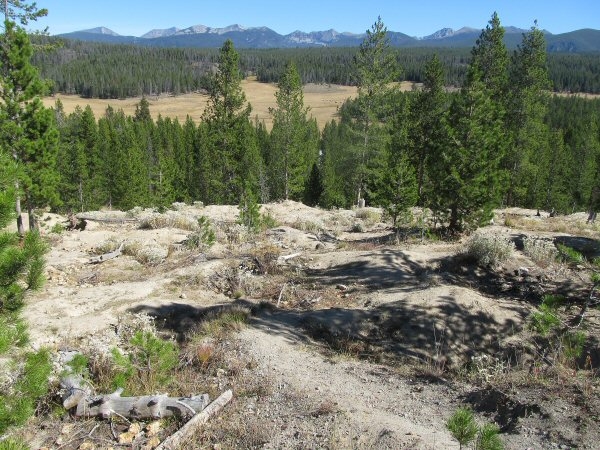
(106, 219)
(178, 438)
(105, 257)
(77, 397)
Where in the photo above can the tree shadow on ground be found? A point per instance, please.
(442, 330)
(589, 248)
(382, 269)
(445, 329)
(397, 270)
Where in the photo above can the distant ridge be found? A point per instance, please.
(586, 40)
(101, 30)
(160, 33)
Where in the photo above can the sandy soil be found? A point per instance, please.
(407, 302)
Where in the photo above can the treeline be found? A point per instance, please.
(97, 70)
(501, 140)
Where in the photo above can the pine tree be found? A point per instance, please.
(467, 177)
(314, 187)
(527, 109)
(396, 186)
(124, 163)
(72, 164)
(490, 61)
(428, 133)
(473, 176)
(163, 166)
(291, 153)
(375, 68)
(18, 10)
(336, 166)
(231, 164)
(27, 128)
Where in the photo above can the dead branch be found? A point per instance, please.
(284, 258)
(107, 256)
(177, 439)
(281, 294)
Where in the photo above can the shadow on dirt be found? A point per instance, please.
(180, 318)
(375, 270)
(443, 330)
(589, 248)
(507, 410)
(395, 269)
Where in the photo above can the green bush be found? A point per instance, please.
(19, 404)
(204, 237)
(569, 255)
(464, 429)
(57, 228)
(147, 366)
(462, 425)
(544, 320)
(249, 212)
(13, 444)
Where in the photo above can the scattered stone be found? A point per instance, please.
(183, 296)
(341, 287)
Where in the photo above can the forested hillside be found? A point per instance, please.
(502, 139)
(97, 70)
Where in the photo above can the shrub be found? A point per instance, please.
(148, 364)
(539, 250)
(371, 216)
(223, 321)
(204, 237)
(147, 254)
(57, 228)
(308, 226)
(487, 249)
(168, 220)
(465, 430)
(567, 344)
(569, 255)
(545, 319)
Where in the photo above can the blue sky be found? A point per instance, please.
(415, 18)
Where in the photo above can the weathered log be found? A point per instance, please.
(106, 256)
(178, 438)
(106, 219)
(77, 397)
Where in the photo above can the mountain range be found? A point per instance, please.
(585, 40)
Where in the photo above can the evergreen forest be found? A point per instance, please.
(100, 70)
(498, 137)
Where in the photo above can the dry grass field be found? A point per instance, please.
(323, 99)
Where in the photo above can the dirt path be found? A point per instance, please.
(381, 409)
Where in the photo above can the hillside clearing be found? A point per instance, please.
(357, 342)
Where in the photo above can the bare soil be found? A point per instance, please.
(363, 342)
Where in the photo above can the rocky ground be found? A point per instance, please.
(357, 340)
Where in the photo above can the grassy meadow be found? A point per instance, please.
(323, 100)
